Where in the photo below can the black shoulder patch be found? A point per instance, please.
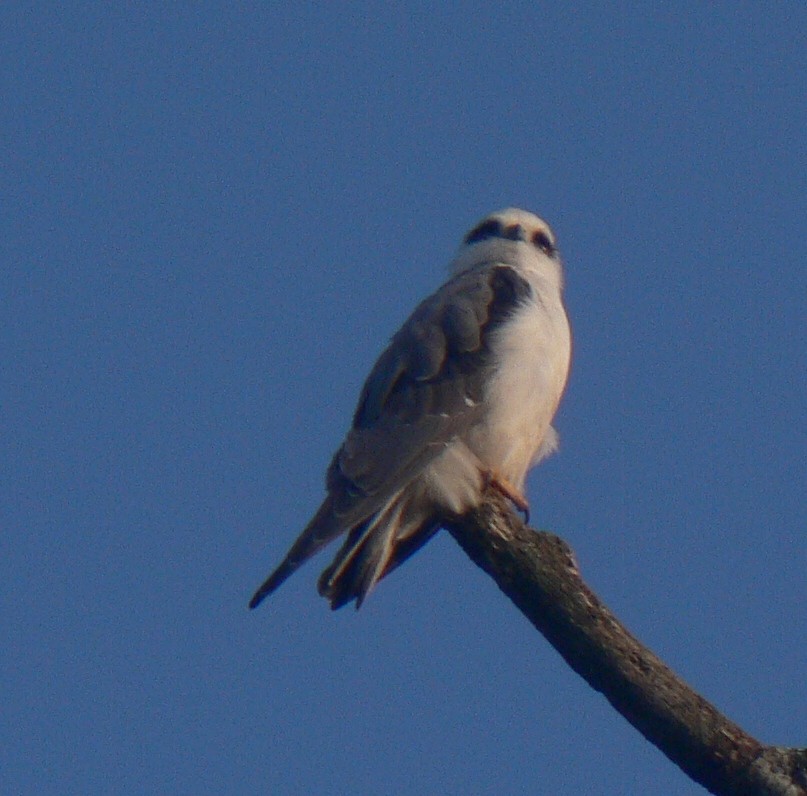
(509, 290)
(439, 359)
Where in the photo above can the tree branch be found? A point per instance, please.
(538, 572)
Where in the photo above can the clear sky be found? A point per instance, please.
(213, 218)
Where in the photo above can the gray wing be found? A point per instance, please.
(426, 388)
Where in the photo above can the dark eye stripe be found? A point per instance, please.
(493, 228)
(543, 242)
(487, 229)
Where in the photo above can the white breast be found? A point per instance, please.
(533, 350)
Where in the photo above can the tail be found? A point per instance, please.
(375, 547)
(322, 529)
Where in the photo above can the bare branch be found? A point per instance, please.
(538, 572)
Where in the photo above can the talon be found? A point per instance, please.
(510, 492)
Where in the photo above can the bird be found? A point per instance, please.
(461, 400)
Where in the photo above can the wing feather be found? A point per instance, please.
(427, 387)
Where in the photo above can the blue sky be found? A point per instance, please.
(213, 219)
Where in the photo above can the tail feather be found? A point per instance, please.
(375, 545)
(373, 549)
(361, 560)
(322, 529)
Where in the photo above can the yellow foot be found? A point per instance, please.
(510, 492)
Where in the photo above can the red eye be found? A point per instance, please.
(543, 242)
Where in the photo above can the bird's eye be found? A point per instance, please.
(543, 242)
(487, 229)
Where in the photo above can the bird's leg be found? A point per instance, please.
(510, 492)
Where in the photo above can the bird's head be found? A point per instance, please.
(510, 236)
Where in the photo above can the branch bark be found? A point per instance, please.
(538, 572)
